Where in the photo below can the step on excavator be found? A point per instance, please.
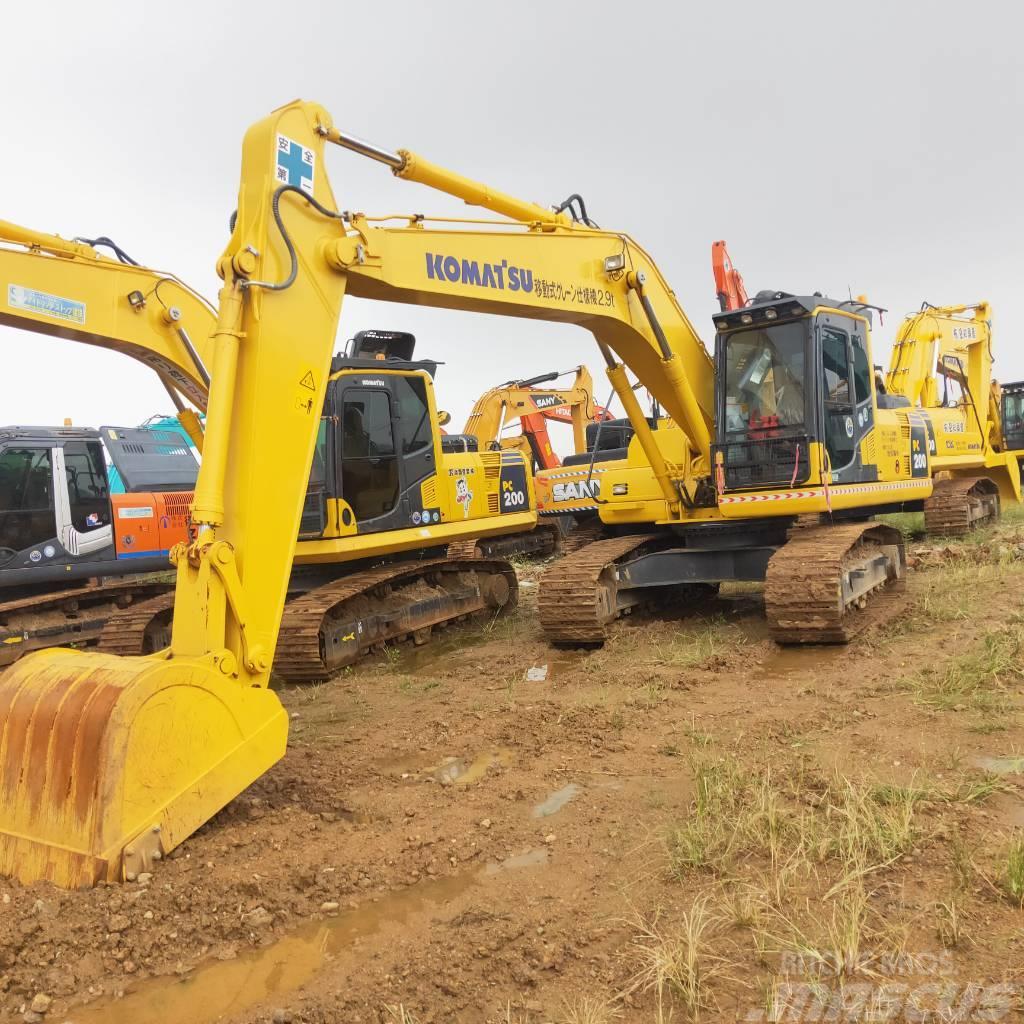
(129, 755)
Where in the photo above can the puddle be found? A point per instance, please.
(415, 660)
(534, 858)
(556, 801)
(227, 988)
(459, 772)
(787, 661)
(1000, 765)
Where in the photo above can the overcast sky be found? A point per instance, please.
(874, 147)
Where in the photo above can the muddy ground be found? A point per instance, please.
(689, 822)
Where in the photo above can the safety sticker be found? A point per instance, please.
(55, 306)
(295, 164)
(142, 512)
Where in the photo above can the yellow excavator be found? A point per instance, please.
(109, 762)
(384, 485)
(533, 405)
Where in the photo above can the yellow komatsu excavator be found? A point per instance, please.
(385, 485)
(109, 762)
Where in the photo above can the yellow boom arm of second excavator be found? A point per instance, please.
(943, 344)
(107, 762)
(69, 290)
(518, 399)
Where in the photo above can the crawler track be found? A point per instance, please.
(960, 505)
(537, 543)
(576, 599)
(828, 583)
(141, 629)
(76, 616)
(334, 625)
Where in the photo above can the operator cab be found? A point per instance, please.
(792, 371)
(375, 445)
(1012, 416)
(58, 518)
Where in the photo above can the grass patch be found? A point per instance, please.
(1013, 872)
(737, 813)
(977, 679)
(676, 961)
(693, 647)
(589, 1010)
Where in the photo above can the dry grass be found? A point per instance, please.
(976, 680)
(587, 1009)
(1013, 872)
(399, 1014)
(676, 962)
(737, 813)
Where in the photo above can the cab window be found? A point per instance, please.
(369, 461)
(88, 494)
(26, 498)
(413, 414)
(861, 370)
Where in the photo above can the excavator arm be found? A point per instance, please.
(532, 405)
(70, 290)
(942, 344)
(108, 763)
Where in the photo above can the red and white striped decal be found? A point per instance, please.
(899, 485)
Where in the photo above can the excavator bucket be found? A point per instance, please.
(107, 764)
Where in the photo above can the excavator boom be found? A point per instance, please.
(532, 405)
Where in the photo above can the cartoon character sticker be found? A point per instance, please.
(463, 495)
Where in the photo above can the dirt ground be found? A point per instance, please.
(690, 822)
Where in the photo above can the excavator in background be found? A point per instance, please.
(941, 364)
(729, 288)
(793, 427)
(80, 564)
(72, 551)
(533, 406)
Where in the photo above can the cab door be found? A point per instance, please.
(384, 451)
(846, 409)
(27, 517)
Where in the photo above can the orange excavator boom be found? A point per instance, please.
(728, 280)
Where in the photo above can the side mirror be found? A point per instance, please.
(443, 418)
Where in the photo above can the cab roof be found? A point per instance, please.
(787, 306)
